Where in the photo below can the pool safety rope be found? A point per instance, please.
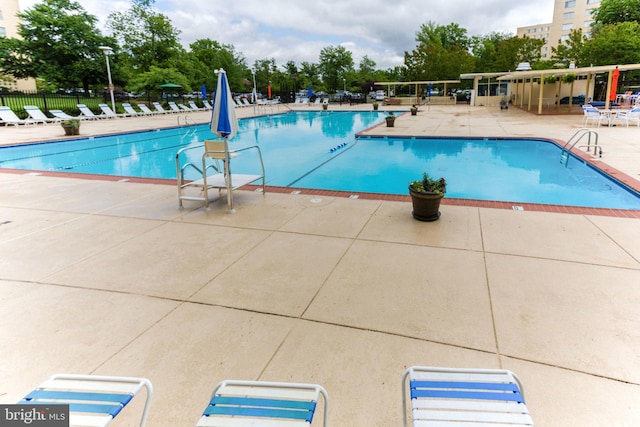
(337, 147)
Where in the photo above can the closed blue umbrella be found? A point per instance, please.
(223, 117)
(309, 91)
(225, 125)
(204, 91)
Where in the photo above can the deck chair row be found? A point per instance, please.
(36, 115)
(433, 396)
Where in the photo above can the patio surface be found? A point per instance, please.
(110, 277)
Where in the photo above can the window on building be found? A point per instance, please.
(593, 1)
(528, 30)
(568, 15)
(544, 55)
(533, 30)
(570, 3)
(564, 37)
(567, 26)
(587, 24)
(588, 12)
(3, 32)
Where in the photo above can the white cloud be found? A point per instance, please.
(297, 30)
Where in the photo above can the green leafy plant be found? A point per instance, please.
(550, 79)
(429, 185)
(73, 123)
(569, 78)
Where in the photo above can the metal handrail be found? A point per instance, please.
(577, 137)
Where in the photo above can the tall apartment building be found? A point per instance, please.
(9, 28)
(567, 15)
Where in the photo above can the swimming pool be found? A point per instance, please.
(318, 149)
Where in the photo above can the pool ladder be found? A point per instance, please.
(577, 137)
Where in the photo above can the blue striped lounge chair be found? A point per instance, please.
(469, 397)
(260, 403)
(94, 401)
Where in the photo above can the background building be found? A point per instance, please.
(9, 28)
(567, 15)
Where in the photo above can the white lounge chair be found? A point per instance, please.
(160, 109)
(207, 105)
(261, 403)
(38, 116)
(93, 400)
(184, 108)
(174, 107)
(87, 114)
(8, 117)
(238, 103)
(128, 108)
(632, 115)
(109, 113)
(194, 106)
(246, 102)
(146, 110)
(473, 397)
(59, 114)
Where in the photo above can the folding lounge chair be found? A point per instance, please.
(246, 102)
(469, 397)
(259, 403)
(109, 113)
(93, 400)
(128, 108)
(38, 116)
(184, 107)
(8, 117)
(195, 107)
(59, 114)
(207, 105)
(87, 114)
(160, 109)
(145, 110)
(174, 107)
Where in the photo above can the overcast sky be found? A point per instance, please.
(297, 30)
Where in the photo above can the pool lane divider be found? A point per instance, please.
(337, 147)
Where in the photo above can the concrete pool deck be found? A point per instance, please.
(111, 278)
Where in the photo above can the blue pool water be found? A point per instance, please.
(318, 149)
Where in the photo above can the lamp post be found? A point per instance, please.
(344, 85)
(108, 51)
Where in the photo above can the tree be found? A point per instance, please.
(207, 55)
(151, 80)
(334, 64)
(617, 11)
(146, 36)
(59, 43)
(571, 50)
(442, 53)
(614, 44)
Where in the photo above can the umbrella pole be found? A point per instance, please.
(227, 172)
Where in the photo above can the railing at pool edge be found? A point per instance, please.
(580, 133)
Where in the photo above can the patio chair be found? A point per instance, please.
(109, 113)
(246, 102)
(93, 400)
(217, 158)
(160, 109)
(59, 114)
(629, 116)
(470, 397)
(207, 105)
(592, 114)
(128, 108)
(8, 117)
(261, 403)
(174, 107)
(87, 114)
(38, 116)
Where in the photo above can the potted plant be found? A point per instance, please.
(569, 78)
(375, 106)
(391, 119)
(414, 110)
(325, 106)
(426, 195)
(71, 126)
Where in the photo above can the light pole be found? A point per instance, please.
(108, 51)
(344, 85)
